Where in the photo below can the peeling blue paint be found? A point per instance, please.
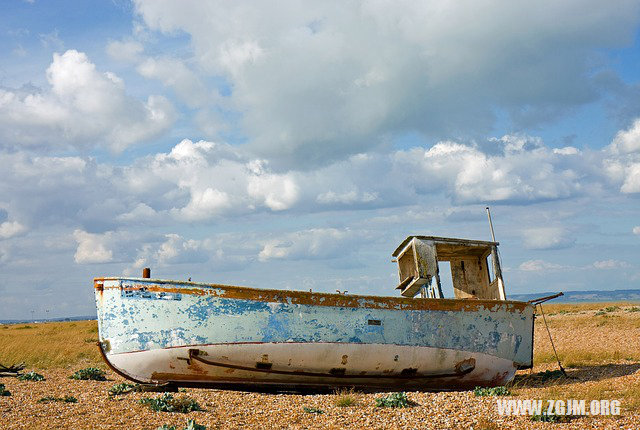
(141, 322)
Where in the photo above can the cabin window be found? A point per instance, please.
(446, 282)
(490, 274)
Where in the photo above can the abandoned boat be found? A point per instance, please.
(192, 334)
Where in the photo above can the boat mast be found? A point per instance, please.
(496, 261)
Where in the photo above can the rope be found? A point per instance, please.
(552, 345)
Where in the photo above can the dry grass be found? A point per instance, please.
(50, 345)
(588, 334)
(345, 398)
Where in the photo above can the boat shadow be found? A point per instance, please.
(574, 375)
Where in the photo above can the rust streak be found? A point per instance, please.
(325, 299)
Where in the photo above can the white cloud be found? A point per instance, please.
(307, 244)
(42, 191)
(10, 229)
(547, 238)
(84, 108)
(623, 163)
(141, 213)
(127, 51)
(523, 170)
(627, 141)
(539, 265)
(610, 264)
(277, 192)
(567, 150)
(636, 230)
(175, 74)
(348, 197)
(222, 252)
(318, 82)
(631, 182)
(92, 248)
(205, 204)
(197, 182)
(178, 250)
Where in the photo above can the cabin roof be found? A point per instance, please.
(462, 246)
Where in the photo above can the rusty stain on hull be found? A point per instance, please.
(307, 298)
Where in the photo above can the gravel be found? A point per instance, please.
(95, 409)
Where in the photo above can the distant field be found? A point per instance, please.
(50, 345)
(598, 344)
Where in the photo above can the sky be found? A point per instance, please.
(295, 144)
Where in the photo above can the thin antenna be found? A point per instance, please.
(493, 236)
(497, 271)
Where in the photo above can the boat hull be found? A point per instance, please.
(154, 331)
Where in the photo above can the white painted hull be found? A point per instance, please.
(314, 365)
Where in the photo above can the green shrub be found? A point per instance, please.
(394, 400)
(552, 418)
(494, 391)
(191, 425)
(90, 373)
(311, 410)
(122, 388)
(31, 376)
(168, 403)
(65, 399)
(3, 391)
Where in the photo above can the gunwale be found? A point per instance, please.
(309, 298)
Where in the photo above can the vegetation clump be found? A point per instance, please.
(493, 391)
(31, 376)
(168, 403)
(191, 425)
(65, 399)
(607, 310)
(312, 410)
(90, 373)
(3, 391)
(345, 398)
(552, 418)
(394, 400)
(122, 388)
